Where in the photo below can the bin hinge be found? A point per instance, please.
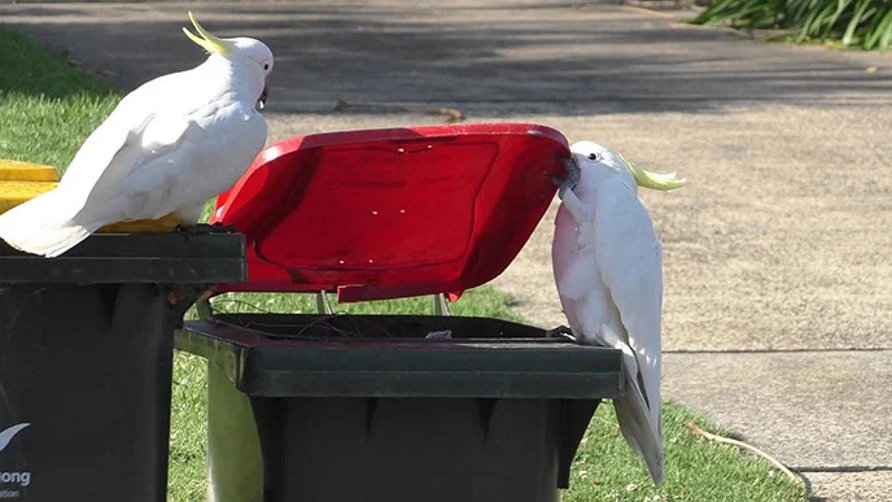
(203, 306)
(441, 306)
(322, 304)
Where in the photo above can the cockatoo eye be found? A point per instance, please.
(593, 156)
(266, 66)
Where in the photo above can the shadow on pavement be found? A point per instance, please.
(506, 57)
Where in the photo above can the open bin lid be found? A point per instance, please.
(395, 212)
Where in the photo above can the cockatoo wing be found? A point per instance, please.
(192, 158)
(53, 222)
(142, 162)
(129, 117)
(630, 263)
(138, 170)
(588, 254)
(44, 224)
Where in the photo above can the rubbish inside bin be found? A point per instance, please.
(393, 213)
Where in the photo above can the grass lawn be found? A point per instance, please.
(47, 108)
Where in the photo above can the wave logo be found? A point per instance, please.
(7, 435)
(22, 478)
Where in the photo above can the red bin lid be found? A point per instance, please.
(394, 212)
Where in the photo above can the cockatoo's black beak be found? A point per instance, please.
(261, 101)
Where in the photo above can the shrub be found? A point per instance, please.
(864, 23)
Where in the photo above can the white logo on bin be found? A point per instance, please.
(7, 435)
(20, 478)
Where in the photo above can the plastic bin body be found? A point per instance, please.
(86, 345)
(403, 449)
(365, 408)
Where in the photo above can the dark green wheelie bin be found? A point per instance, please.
(349, 408)
(86, 344)
(336, 408)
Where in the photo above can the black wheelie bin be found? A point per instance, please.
(86, 346)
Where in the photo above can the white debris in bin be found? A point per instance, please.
(439, 335)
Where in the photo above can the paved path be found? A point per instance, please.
(778, 277)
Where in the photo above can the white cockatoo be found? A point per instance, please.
(608, 271)
(168, 147)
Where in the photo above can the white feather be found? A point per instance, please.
(608, 271)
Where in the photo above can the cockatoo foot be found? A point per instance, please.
(219, 228)
(560, 332)
(190, 230)
(204, 229)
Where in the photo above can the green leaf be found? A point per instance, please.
(856, 19)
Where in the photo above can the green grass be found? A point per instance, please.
(48, 107)
(696, 470)
(188, 412)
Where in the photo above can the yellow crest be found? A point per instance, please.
(207, 41)
(654, 181)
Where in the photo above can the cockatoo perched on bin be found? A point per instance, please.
(168, 147)
(608, 271)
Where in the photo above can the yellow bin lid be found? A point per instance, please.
(22, 181)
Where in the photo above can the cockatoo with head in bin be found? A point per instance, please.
(608, 271)
(168, 147)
